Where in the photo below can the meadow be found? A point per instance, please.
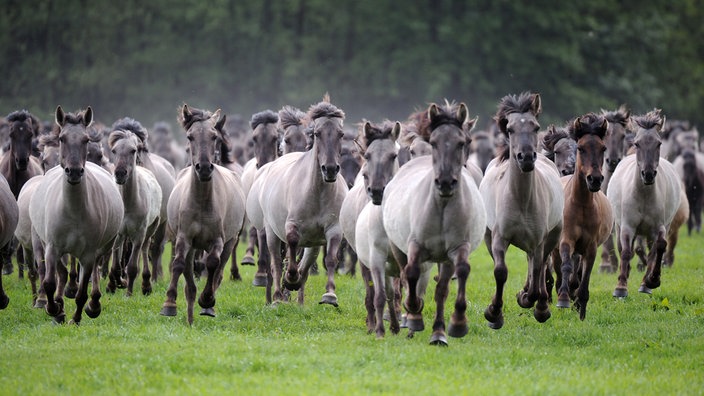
(643, 344)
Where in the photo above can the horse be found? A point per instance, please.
(75, 210)
(141, 195)
(617, 146)
(18, 165)
(28, 242)
(350, 164)
(265, 136)
(645, 195)
(482, 149)
(295, 136)
(690, 168)
(296, 200)
(9, 216)
(587, 215)
(162, 143)
(431, 212)
(524, 203)
(560, 148)
(205, 212)
(165, 175)
(377, 146)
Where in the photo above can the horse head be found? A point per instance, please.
(125, 146)
(589, 131)
(204, 132)
(517, 118)
(73, 142)
(294, 138)
(616, 147)
(23, 129)
(378, 148)
(265, 136)
(448, 132)
(326, 122)
(647, 142)
(483, 147)
(560, 148)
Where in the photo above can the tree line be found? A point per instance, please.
(376, 59)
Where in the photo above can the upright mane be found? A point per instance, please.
(447, 114)
(325, 109)
(374, 132)
(120, 134)
(652, 119)
(131, 125)
(290, 116)
(510, 104)
(588, 124)
(263, 117)
(550, 139)
(196, 115)
(619, 116)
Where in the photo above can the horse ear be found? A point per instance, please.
(59, 116)
(186, 114)
(433, 111)
(396, 130)
(536, 105)
(88, 117)
(220, 124)
(625, 111)
(367, 128)
(502, 123)
(462, 113)
(662, 123)
(469, 124)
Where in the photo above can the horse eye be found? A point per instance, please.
(189, 137)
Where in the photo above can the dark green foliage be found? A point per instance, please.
(377, 59)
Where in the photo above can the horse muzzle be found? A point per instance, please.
(74, 175)
(648, 177)
(526, 162)
(204, 171)
(446, 188)
(120, 177)
(330, 173)
(21, 164)
(594, 182)
(376, 195)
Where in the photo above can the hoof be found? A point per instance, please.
(74, 323)
(168, 309)
(93, 312)
(645, 289)
(542, 316)
(236, 277)
(329, 298)
(146, 291)
(438, 338)
(40, 303)
(259, 280)
(7, 269)
(620, 292)
(563, 303)
(70, 292)
(496, 321)
(206, 302)
(292, 285)
(606, 269)
(110, 288)
(651, 283)
(4, 301)
(247, 260)
(415, 322)
(523, 300)
(60, 318)
(404, 322)
(128, 293)
(208, 312)
(457, 330)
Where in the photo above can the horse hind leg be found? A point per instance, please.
(189, 290)
(72, 285)
(252, 245)
(178, 266)
(93, 308)
(582, 296)
(494, 312)
(458, 321)
(213, 263)
(651, 280)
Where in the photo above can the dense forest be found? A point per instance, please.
(377, 59)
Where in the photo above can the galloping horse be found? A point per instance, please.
(18, 165)
(292, 123)
(587, 216)
(205, 212)
(431, 212)
(616, 148)
(9, 216)
(296, 200)
(75, 210)
(141, 196)
(524, 202)
(377, 146)
(560, 148)
(265, 136)
(645, 194)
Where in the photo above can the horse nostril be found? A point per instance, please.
(519, 156)
(565, 172)
(535, 155)
(453, 183)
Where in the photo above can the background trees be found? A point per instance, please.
(377, 59)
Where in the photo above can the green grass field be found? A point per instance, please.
(646, 345)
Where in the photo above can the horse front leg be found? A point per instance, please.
(583, 290)
(292, 277)
(414, 302)
(625, 245)
(38, 252)
(146, 273)
(87, 265)
(441, 292)
(263, 274)
(178, 266)
(308, 260)
(651, 279)
(536, 288)
(458, 321)
(213, 265)
(494, 312)
(252, 240)
(565, 272)
(189, 289)
(330, 260)
(133, 263)
(156, 250)
(115, 280)
(609, 259)
(274, 246)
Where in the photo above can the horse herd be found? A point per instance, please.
(415, 195)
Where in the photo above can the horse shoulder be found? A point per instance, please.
(351, 207)
(9, 211)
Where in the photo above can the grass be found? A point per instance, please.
(639, 345)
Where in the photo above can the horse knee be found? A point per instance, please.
(500, 273)
(462, 270)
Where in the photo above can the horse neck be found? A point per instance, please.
(578, 189)
(203, 191)
(314, 182)
(130, 190)
(520, 183)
